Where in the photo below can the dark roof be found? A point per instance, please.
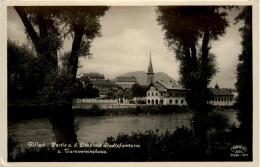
(103, 82)
(93, 74)
(126, 79)
(221, 92)
(169, 85)
(157, 86)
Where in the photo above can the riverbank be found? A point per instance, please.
(19, 111)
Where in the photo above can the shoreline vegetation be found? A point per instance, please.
(180, 145)
(19, 111)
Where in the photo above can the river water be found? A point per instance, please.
(97, 129)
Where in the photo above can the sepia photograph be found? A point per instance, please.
(101, 83)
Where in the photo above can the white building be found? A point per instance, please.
(170, 93)
(165, 93)
(126, 82)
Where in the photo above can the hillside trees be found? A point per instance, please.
(47, 27)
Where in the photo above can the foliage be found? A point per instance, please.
(23, 71)
(154, 146)
(138, 90)
(47, 27)
(188, 31)
(244, 84)
(58, 89)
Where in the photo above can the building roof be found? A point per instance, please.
(126, 79)
(163, 86)
(150, 67)
(93, 74)
(103, 82)
(221, 92)
(170, 85)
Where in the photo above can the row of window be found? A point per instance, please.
(105, 87)
(161, 101)
(170, 94)
(176, 101)
(124, 84)
(154, 94)
(222, 99)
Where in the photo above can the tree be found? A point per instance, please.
(189, 31)
(46, 27)
(244, 84)
(138, 90)
(23, 71)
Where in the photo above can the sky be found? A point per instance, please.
(129, 34)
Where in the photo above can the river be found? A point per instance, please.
(97, 129)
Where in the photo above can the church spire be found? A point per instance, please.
(150, 74)
(150, 67)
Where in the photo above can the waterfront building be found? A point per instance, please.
(165, 93)
(125, 82)
(222, 96)
(170, 93)
(104, 86)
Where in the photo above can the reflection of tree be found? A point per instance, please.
(47, 27)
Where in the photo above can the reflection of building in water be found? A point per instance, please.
(170, 93)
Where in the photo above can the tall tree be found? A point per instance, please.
(46, 27)
(189, 31)
(244, 84)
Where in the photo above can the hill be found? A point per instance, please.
(142, 77)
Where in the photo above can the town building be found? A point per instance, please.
(104, 86)
(221, 96)
(125, 82)
(165, 93)
(170, 93)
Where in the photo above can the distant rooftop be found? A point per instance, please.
(221, 92)
(103, 82)
(93, 74)
(126, 79)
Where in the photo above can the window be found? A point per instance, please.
(176, 94)
(161, 94)
(170, 101)
(152, 94)
(176, 101)
(148, 101)
(181, 101)
(156, 94)
(148, 94)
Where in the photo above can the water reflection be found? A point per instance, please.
(97, 129)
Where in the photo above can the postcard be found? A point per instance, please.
(130, 83)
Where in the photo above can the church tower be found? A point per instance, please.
(150, 74)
